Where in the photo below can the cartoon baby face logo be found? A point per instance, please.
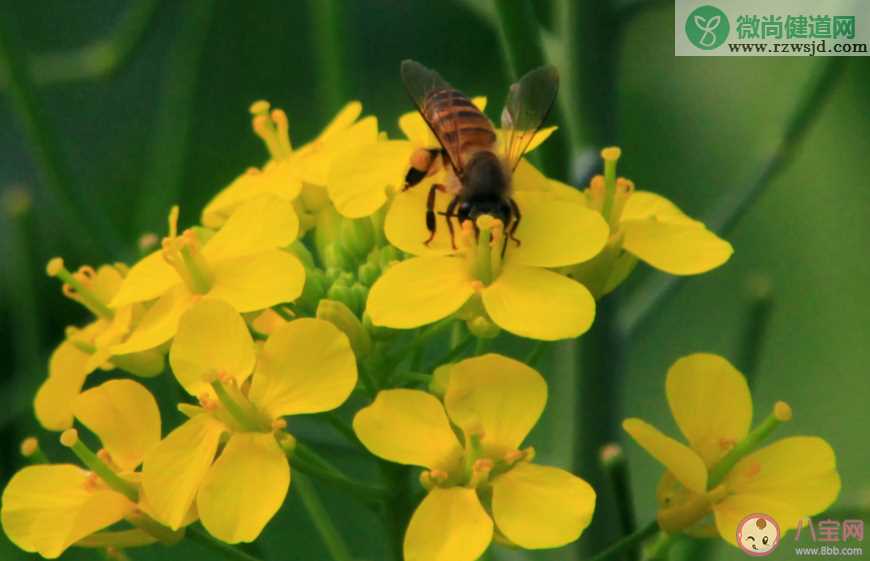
(758, 534)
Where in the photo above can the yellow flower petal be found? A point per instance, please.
(244, 488)
(425, 438)
(539, 304)
(262, 224)
(67, 371)
(159, 323)
(676, 248)
(175, 468)
(789, 480)
(125, 417)
(449, 525)
(710, 401)
(418, 291)
(360, 178)
(315, 159)
(342, 120)
(642, 205)
(541, 506)
(106, 282)
(529, 178)
(260, 281)
(555, 233)
(47, 508)
(405, 223)
(679, 459)
(212, 339)
(305, 366)
(277, 178)
(148, 279)
(498, 395)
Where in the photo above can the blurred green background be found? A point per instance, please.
(170, 124)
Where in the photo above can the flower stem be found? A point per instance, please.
(628, 542)
(329, 30)
(647, 297)
(524, 51)
(614, 463)
(174, 121)
(205, 539)
(308, 461)
(335, 544)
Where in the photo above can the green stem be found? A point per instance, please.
(120, 538)
(103, 471)
(79, 215)
(461, 347)
(335, 544)
(537, 352)
(521, 42)
(229, 552)
(627, 543)
(726, 213)
(614, 463)
(329, 30)
(308, 461)
(590, 33)
(480, 346)
(343, 428)
(174, 122)
(755, 329)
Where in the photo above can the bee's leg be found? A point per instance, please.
(422, 164)
(430, 211)
(515, 210)
(449, 214)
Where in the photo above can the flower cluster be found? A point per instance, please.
(313, 278)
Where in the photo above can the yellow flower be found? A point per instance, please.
(488, 486)
(88, 348)
(363, 177)
(305, 366)
(48, 508)
(241, 264)
(288, 170)
(643, 226)
(723, 470)
(509, 283)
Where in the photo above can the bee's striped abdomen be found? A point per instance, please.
(458, 122)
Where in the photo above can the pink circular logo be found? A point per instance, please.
(758, 534)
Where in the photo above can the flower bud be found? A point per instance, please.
(339, 315)
(357, 237)
(483, 328)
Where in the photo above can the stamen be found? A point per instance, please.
(610, 156)
(279, 424)
(70, 439)
(75, 289)
(30, 449)
(781, 413)
(624, 189)
(184, 255)
(596, 193)
(273, 128)
(240, 408)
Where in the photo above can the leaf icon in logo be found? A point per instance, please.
(713, 23)
(701, 22)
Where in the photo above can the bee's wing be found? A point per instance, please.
(421, 82)
(528, 103)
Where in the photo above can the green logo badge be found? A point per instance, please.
(707, 27)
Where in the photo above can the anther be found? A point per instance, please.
(279, 424)
(76, 287)
(29, 446)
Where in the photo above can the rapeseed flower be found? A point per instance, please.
(85, 349)
(724, 470)
(242, 264)
(488, 276)
(48, 508)
(305, 366)
(486, 487)
(645, 226)
(290, 172)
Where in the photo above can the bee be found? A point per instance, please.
(478, 179)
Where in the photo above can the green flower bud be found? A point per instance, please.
(339, 315)
(368, 273)
(298, 249)
(482, 327)
(357, 237)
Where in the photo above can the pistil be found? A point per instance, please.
(75, 287)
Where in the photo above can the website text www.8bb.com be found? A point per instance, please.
(809, 48)
(829, 551)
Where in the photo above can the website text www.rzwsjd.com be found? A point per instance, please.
(810, 48)
(829, 551)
